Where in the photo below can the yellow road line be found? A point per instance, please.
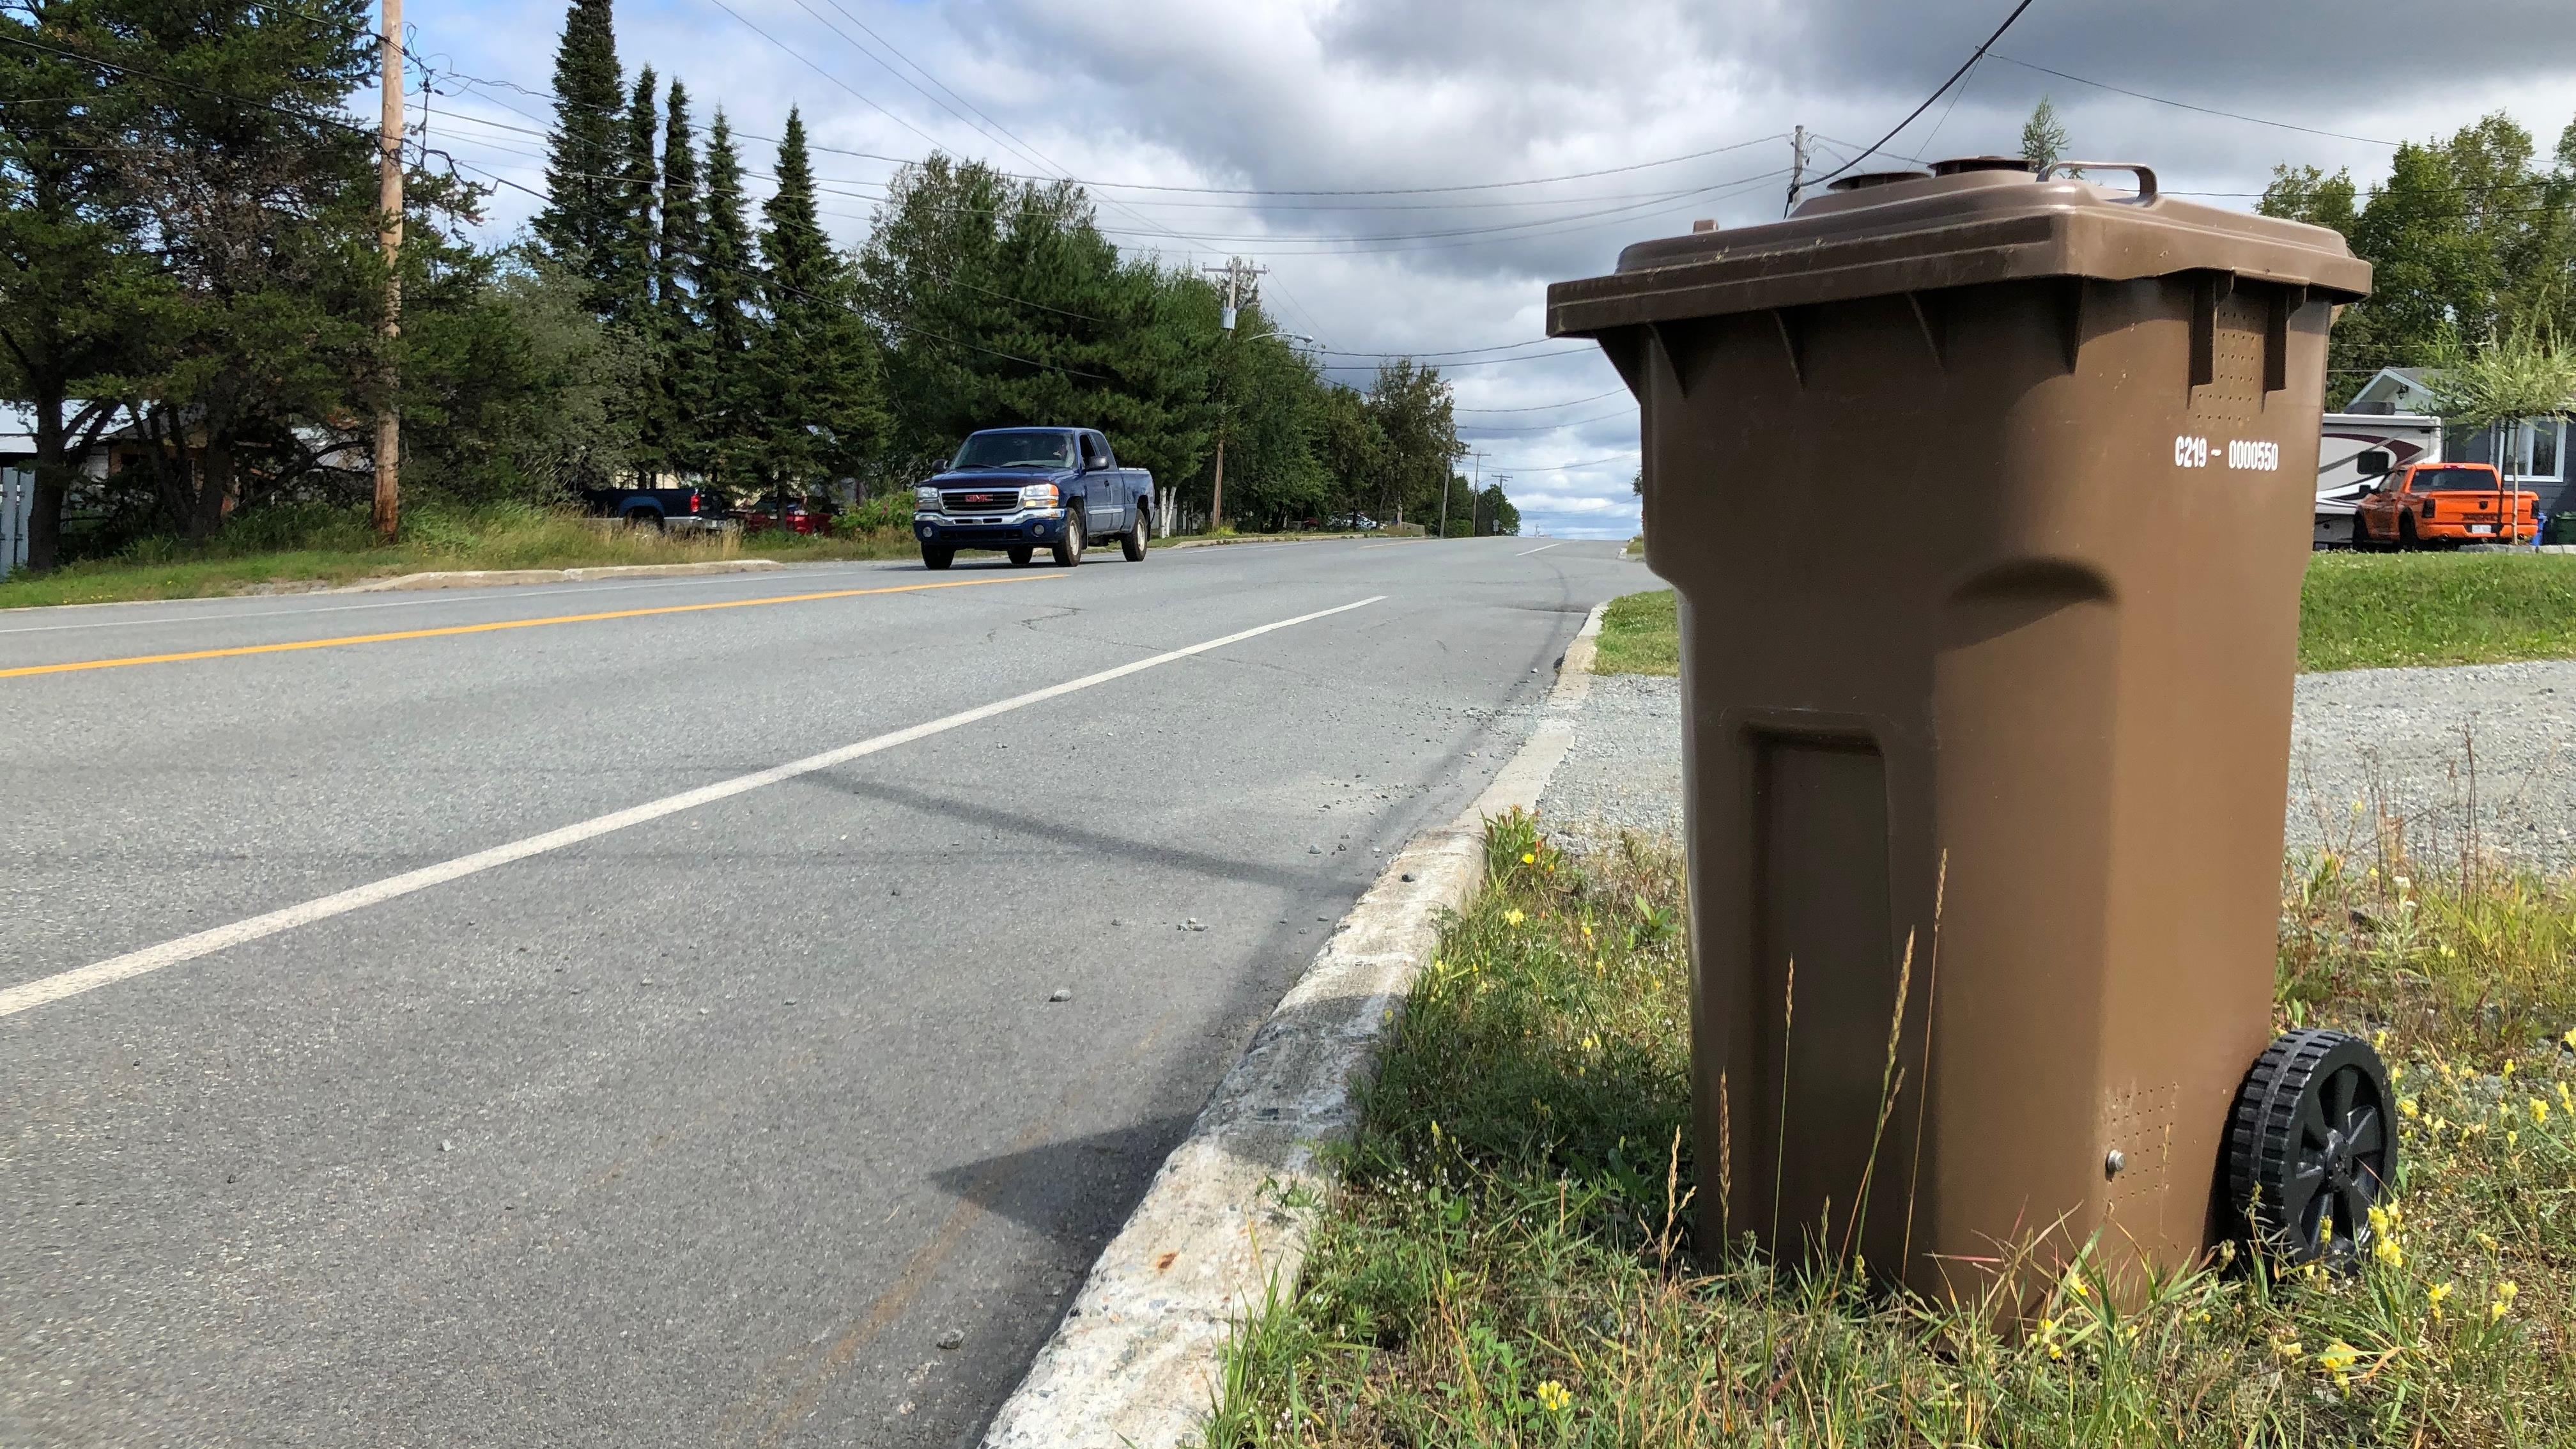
(346, 639)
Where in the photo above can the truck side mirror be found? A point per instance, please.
(2376, 463)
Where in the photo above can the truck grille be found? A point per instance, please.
(982, 500)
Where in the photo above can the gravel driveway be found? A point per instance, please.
(2395, 740)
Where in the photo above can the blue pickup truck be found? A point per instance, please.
(1017, 489)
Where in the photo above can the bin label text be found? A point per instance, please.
(2243, 454)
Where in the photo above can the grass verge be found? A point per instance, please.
(2371, 611)
(1509, 1257)
(318, 548)
(1640, 634)
(2356, 611)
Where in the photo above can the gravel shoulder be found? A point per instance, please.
(2367, 744)
(2438, 752)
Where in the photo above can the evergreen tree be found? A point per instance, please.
(680, 390)
(584, 211)
(629, 278)
(821, 408)
(77, 289)
(2042, 139)
(726, 284)
(259, 205)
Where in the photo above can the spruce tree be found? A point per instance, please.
(583, 211)
(822, 410)
(727, 287)
(681, 352)
(630, 276)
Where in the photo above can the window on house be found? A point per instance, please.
(2547, 444)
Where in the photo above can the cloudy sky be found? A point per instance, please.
(1414, 172)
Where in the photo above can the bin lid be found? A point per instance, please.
(1969, 226)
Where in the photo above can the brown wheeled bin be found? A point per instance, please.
(1987, 496)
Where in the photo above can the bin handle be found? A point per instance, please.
(2146, 175)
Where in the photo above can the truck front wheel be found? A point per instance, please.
(1131, 544)
(935, 557)
(1069, 543)
(1020, 554)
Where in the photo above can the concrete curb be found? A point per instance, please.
(1139, 1358)
(498, 578)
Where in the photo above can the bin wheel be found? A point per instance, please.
(2311, 1146)
(1020, 554)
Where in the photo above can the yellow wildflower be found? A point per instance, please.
(2567, 1099)
(2512, 1139)
(2409, 1109)
(1513, 917)
(2337, 1356)
(2434, 1295)
(2379, 1040)
(2287, 1348)
(1528, 859)
(2387, 1251)
(2488, 1242)
(2570, 1038)
(2503, 1301)
(2507, 1073)
(1553, 1397)
(2539, 1111)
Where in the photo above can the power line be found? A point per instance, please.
(1482, 428)
(2188, 106)
(1542, 407)
(1586, 463)
(1936, 94)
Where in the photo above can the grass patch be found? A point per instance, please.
(2368, 611)
(1640, 634)
(1509, 1258)
(2356, 611)
(310, 548)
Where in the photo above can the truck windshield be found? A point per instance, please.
(1031, 448)
(2456, 478)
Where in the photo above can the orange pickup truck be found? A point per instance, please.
(2429, 503)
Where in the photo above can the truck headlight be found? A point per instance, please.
(1038, 495)
(926, 499)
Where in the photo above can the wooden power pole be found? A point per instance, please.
(389, 200)
(1240, 277)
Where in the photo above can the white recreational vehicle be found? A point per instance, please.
(2358, 450)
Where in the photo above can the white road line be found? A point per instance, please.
(36, 993)
(1395, 543)
(430, 596)
(1542, 548)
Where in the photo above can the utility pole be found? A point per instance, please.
(389, 200)
(1241, 278)
(1797, 167)
(1474, 488)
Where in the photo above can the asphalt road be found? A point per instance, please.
(704, 1124)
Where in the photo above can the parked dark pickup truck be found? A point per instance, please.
(1016, 489)
(677, 508)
